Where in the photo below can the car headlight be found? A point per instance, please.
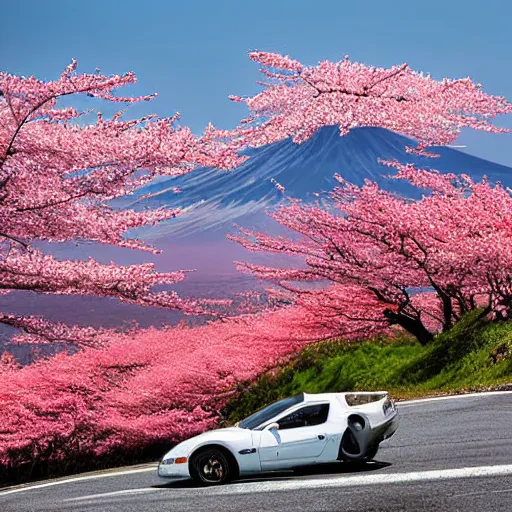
(174, 460)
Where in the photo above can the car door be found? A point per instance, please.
(300, 439)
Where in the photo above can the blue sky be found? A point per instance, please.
(193, 53)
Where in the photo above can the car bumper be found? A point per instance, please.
(385, 430)
(173, 470)
(362, 438)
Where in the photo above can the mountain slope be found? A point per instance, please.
(214, 199)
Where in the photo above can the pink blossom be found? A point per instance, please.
(299, 99)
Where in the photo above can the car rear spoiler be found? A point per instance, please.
(364, 397)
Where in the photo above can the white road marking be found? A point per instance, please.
(117, 493)
(323, 483)
(153, 468)
(452, 397)
(377, 479)
(78, 479)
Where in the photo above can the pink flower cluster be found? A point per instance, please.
(298, 100)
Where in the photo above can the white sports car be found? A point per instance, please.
(295, 432)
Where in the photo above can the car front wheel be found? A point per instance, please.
(210, 467)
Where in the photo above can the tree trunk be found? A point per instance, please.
(413, 326)
(447, 311)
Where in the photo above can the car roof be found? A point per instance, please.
(315, 397)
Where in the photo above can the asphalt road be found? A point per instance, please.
(447, 455)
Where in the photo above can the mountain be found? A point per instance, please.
(212, 199)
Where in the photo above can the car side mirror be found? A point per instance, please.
(272, 426)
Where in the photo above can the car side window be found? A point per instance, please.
(305, 417)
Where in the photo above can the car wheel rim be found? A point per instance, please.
(212, 469)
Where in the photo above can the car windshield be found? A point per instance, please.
(270, 412)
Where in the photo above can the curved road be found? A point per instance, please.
(450, 454)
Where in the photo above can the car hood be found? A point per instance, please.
(220, 436)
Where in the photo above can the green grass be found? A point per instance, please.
(474, 355)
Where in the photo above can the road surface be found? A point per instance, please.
(448, 455)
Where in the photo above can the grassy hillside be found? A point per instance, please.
(474, 355)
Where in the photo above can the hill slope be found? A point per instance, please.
(473, 356)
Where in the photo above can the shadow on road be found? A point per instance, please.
(320, 470)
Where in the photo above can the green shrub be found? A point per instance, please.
(473, 355)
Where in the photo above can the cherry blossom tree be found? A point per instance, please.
(419, 264)
(297, 100)
(58, 172)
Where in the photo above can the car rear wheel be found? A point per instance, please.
(210, 467)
